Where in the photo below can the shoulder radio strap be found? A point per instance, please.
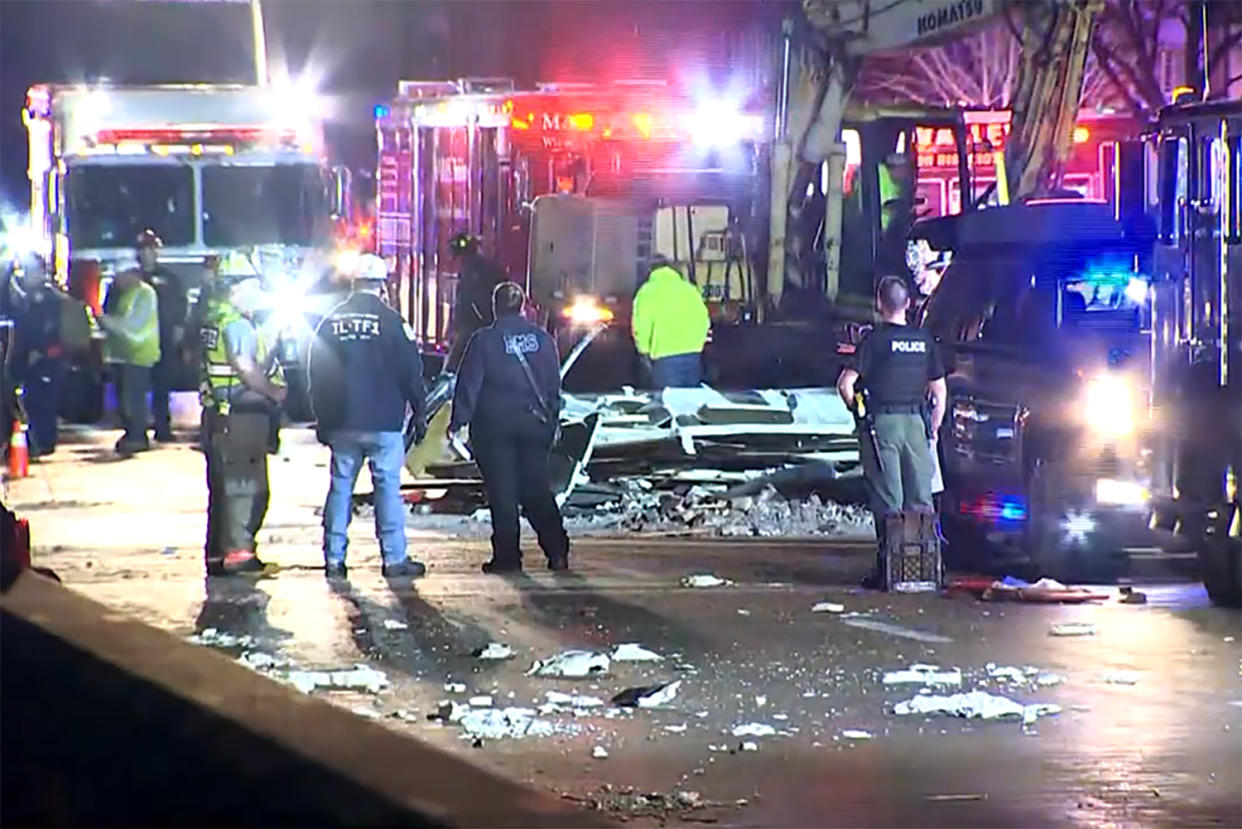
(547, 411)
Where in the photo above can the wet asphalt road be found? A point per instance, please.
(1164, 750)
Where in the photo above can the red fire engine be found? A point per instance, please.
(571, 187)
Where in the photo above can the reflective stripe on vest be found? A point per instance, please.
(219, 376)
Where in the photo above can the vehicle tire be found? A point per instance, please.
(1220, 563)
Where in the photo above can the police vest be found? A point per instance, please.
(900, 358)
(145, 349)
(220, 380)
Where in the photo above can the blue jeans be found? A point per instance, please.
(385, 454)
(679, 371)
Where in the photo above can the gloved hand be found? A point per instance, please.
(420, 430)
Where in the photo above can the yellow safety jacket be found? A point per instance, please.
(670, 317)
(219, 379)
(135, 346)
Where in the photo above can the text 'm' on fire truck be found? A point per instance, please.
(209, 168)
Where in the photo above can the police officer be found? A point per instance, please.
(509, 392)
(133, 348)
(900, 369)
(364, 371)
(241, 384)
(472, 308)
(173, 311)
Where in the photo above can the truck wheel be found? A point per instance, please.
(1220, 562)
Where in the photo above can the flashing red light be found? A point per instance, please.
(1081, 135)
(582, 121)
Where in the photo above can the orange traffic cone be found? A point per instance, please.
(19, 452)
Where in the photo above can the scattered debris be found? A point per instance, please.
(955, 798)
(259, 661)
(753, 729)
(572, 700)
(1049, 679)
(1121, 678)
(599, 753)
(893, 630)
(924, 675)
(676, 729)
(481, 701)
(741, 611)
(572, 664)
(511, 723)
(628, 803)
(1072, 629)
(395, 624)
(361, 678)
(704, 580)
(633, 652)
(749, 746)
(218, 639)
(975, 705)
(828, 607)
(494, 650)
(455, 687)
(1131, 596)
(856, 734)
(648, 696)
(761, 700)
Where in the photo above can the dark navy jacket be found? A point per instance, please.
(364, 368)
(493, 393)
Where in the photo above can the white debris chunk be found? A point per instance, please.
(856, 734)
(512, 723)
(975, 705)
(572, 664)
(661, 696)
(675, 729)
(633, 652)
(369, 713)
(753, 729)
(920, 674)
(361, 678)
(1049, 679)
(761, 700)
(599, 753)
(894, 630)
(828, 607)
(455, 687)
(1072, 629)
(218, 639)
(557, 698)
(1121, 678)
(1005, 673)
(704, 580)
(750, 746)
(481, 701)
(741, 611)
(259, 661)
(495, 650)
(395, 624)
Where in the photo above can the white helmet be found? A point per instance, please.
(371, 268)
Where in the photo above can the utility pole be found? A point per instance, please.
(260, 42)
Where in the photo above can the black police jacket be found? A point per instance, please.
(493, 392)
(364, 368)
(896, 362)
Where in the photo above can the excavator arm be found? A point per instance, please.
(820, 74)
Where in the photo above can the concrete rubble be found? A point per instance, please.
(975, 705)
(572, 664)
(648, 696)
(924, 675)
(361, 678)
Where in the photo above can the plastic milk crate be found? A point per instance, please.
(913, 553)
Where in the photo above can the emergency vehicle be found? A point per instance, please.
(209, 168)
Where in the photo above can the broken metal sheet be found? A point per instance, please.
(579, 347)
(494, 651)
(894, 630)
(558, 698)
(361, 678)
(975, 705)
(572, 664)
(648, 696)
(509, 723)
(919, 674)
(753, 729)
(570, 456)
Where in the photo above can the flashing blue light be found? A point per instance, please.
(1012, 509)
(381, 111)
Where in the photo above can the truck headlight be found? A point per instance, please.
(1108, 406)
(586, 311)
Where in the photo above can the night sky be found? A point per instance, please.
(360, 47)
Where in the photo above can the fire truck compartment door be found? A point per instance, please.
(583, 246)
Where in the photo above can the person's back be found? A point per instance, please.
(670, 325)
(506, 401)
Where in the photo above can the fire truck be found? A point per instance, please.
(209, 168)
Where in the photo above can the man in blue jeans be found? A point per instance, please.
(364, 371)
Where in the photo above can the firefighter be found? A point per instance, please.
(173, 311)
(472, 309)
(900, 368)
(133, 348)
(241, 385)
(38, 361)
(364, 371)
(509, 392)
(670, 326)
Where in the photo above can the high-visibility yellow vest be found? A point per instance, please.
(145, 349)
(219, 378)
